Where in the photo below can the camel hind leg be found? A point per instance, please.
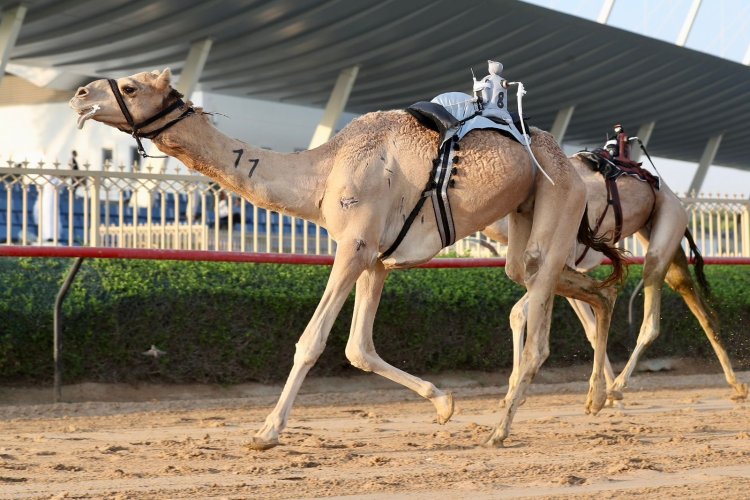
(663, 240)
(360, 349)
(587, 317)
(679, 279)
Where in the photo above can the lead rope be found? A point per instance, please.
(645, 151)
(520, 92)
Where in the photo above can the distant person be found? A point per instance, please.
(76, 180)
(73, 163)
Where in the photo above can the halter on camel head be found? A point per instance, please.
(135, 128)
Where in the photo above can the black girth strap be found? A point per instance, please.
(437, 187)
(440, 202)
(135, 128)
(613, 199)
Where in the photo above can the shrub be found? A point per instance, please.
(228, 323)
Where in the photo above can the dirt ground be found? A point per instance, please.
(676, 435)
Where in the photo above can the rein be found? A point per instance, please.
(135, 128)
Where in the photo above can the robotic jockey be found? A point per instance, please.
(618, 147)
(491, 103)
(491, 94)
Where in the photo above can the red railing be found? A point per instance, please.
(264, 258)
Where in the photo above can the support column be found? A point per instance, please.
(644, 134)
(560, 125)
(10, 26)
(746, 59)
(688, 24)
(605, 12)
(193, 68)
(709, 153)
(335, 107)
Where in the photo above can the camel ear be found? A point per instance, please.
(162, 82)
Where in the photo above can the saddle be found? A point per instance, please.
(452, 115)
(612, 169)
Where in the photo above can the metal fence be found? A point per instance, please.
(130, 207)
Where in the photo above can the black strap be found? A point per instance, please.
(613, 198)
(442, 214)
(121, 103)
(407, 224)
(136, 127)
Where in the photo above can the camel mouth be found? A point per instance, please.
(85, 115)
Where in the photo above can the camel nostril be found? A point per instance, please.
(82, 92)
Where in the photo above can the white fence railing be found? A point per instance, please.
(140, 208)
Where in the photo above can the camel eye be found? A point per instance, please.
(128, 89)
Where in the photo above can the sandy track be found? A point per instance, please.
(689, 441)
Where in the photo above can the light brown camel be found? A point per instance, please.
(360, 185)
(659, 221)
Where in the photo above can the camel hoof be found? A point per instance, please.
(614, 395)
(740, 392)
(444, 406)
(494, 441)
(261, 444)
(595, 402)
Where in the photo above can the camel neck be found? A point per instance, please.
(292, 183)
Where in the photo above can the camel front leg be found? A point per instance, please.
(536, 257)
(535, 351)
(347, 267)
(518, 315)
(360, 348)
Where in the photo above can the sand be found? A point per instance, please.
(676, 435)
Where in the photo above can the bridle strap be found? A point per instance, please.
(135, 128)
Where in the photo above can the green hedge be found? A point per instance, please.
(231, 323)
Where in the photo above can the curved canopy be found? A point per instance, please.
(409, 50)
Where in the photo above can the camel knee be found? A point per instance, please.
(536, 359)
(609, 296)
(532, 262)
(648, 334)
(655, 265)
(358, 357)
(307, 353)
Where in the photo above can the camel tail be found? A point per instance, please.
(698, 265)
(587, 236)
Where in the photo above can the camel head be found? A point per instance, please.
(145, 94)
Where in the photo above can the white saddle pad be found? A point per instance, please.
(462, 107)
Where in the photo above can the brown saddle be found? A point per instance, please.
(612, 169)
